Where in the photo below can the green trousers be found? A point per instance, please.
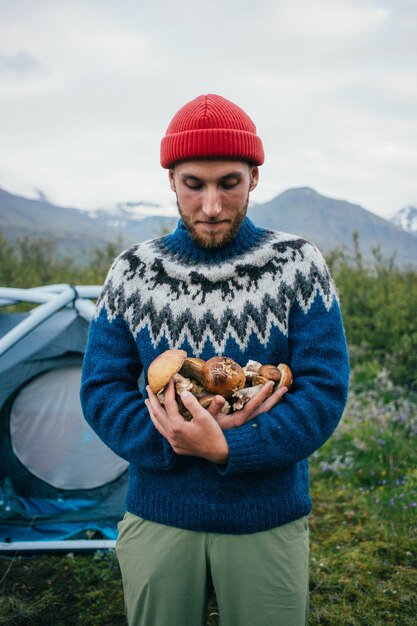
(260, 579)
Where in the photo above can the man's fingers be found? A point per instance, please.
(276, 397)
(157, 412)
(259, 397)
(262, 402)
(169, 396)
(216, 405)
(148, 406)
(165, 417)
(192, 404)
(152, 401)
(158, 425)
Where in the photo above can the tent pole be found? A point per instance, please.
(66, 545)
(39, 295)
(9, 295)
(85, 308)
(36, 317)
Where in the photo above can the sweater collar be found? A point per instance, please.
(185, 249)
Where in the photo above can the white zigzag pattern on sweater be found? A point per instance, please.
(248, 295)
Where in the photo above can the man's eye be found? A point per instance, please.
(229, 185)
(194, 186)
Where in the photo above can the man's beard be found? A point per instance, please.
(215, 240)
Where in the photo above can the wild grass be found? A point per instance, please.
(363, 526)
(363, 565)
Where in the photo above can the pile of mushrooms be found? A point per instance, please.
(217, 376)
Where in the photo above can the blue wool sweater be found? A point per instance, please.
(268, 297)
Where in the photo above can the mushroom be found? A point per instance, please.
(281, 375)
(192, 368)
(219, 375)
(163, 368)
(252, 366)
(270, 372)
(286, 379)
(207, 399)
(222, 375)
(244, 395)
(175, 364)
(259, 380)
(187, 384)
(251, 369)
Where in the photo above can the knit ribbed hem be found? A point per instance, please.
(245, 453)
(185, 250)
(204, 143)
(229, 518)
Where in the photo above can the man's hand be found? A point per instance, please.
(261, 402)
(202, 436)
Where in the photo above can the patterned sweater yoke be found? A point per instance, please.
(184, 296)
(267, 296)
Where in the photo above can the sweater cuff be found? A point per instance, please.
(245, 450)
(170, 458)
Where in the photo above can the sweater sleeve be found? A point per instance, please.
(111, 401)
(310, 412)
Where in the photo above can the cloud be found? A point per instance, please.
(91, 87)
(329, 19)
(20, 63)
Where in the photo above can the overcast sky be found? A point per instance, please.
(88, 87)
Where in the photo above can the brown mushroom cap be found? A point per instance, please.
(270, 372)
(163, 368)
(222, 375)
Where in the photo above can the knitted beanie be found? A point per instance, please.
(208, 127)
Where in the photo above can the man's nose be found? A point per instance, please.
(211, 203)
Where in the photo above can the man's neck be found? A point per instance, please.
(187, 250)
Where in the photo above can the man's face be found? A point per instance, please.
(212, 198)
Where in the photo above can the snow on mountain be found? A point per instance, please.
(123, 212)
(406, 218)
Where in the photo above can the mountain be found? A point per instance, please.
(331, 223)
(327, 222)
(77, 232)
(406, 218)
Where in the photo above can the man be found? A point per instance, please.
(220, 501)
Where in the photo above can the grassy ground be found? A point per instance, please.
(363, 536)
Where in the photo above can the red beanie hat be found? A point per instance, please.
(208, 127)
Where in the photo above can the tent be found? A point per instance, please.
(60, 486)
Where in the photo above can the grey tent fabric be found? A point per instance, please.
(51, 438)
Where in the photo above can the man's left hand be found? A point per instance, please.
(202, 436)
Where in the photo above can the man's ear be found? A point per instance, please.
(171, 180)
(254, 177)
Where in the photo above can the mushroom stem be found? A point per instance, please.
(244, 395)
(186, 384)
(192, 368)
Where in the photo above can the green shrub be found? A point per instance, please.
(378, 302)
